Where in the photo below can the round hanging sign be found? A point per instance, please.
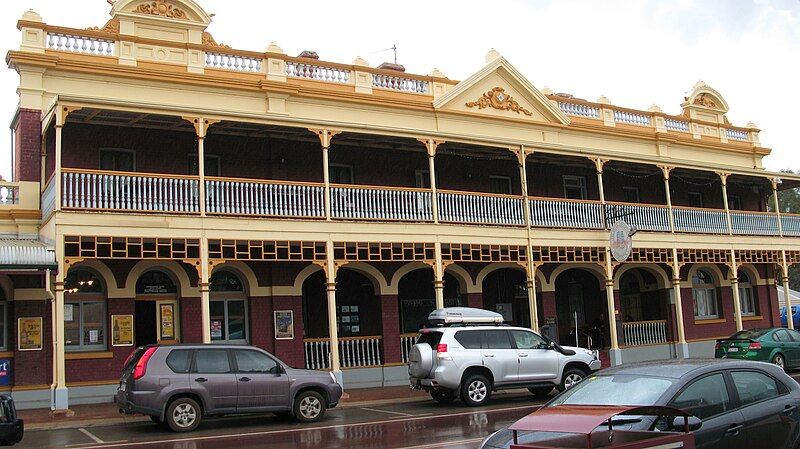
(620, 241)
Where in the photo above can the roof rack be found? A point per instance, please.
(464, 316)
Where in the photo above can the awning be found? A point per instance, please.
(26, 254)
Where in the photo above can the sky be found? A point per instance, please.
(636, 53)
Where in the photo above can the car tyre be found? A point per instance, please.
(779, 360)
(475, 390)
(571, 378)
(309, 406)
(443, 396)
(183, 415)
(540, 392)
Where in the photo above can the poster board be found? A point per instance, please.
(284, 325)
(121, 330)
(167, 321)
(29, 333)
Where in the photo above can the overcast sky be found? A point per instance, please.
(635, 53)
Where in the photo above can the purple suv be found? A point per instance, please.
(180, 384)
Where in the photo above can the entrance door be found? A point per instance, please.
(145, 319)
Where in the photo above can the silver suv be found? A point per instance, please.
(469, 353)
(180, 384)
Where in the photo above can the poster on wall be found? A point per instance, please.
(167, 322)
(216, 329)
(29, 333)
(284, 325)
(121, 330)
(68, 312)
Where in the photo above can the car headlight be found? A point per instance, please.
(596, 354)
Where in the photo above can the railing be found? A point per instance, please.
(233, 62)
(638, 333)
(458, 207)
(754, 223)
(80, 44)
(353, 352)
(248, 197)
(400, 83)
(737, 134)
(790, 224)
(407, 341)
(645, 217)
(381, 203)
(555, 213)
(9, 193)
(631, 118)
(49, 198)
(703, 221)
(129, 191)
(580, 110)
(676, 125)
(317, 72)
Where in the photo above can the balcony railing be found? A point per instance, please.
(381, 203)
(253, 197)
(556, 213)
(462, 207)
(639, 333)
(353, 352)
(790, 224)
(754, 223)
(645, 217)
(407, 341)
(704, 221)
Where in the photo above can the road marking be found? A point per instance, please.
(386, 411)
(443, 444)
(104, 442)
(90, 435)
(305, 429)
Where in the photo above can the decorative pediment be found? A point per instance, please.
(498, 99)
(161, 8)
(186, 11)
(705, 103)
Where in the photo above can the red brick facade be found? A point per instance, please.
(28, 146)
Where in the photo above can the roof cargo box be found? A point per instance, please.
(465, 315)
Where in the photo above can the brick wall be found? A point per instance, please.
(708, 331)
(261, 323)
(191, 320)
(475, 300)
(32, 367)
(28, 146)
(291, 351)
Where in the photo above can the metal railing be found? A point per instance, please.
(252, 197)
(462, 207)
(645, 217)
(754, 223)
(702, 221)
(83, 189)
(407, 341)
(381, 203)
(557, 213)
(353, 352)
(637, 333)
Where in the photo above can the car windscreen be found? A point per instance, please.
(430, 337)
(615, 389)
(750, 334)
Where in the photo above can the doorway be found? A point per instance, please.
(145, 319)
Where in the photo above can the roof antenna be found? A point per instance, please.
(393, 48)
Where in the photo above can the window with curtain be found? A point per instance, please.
(85, 310)
(704, 291)
(747, 299)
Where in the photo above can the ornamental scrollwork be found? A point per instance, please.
(209, 41)
(706, 101)
(112, 26)
(161, 8)
(498, 98)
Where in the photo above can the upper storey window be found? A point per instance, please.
(117, 160)
(341, 174)
(500, 184)
(574, 187)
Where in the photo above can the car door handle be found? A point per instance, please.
(488, 355)
(244, 379)
(201, 379)
(789, 409)
(523, 355)
(734, 429)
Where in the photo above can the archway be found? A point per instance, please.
(505, 291)
(641, 299)
(228, 308)
(417, 298)
(358, 310)
(156, 308)
(581, 304)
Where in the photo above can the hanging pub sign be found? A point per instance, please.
(620, 241)
(122, 330)
(29, 333)
(284, 325)
(167, 322)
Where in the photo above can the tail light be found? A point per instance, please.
(754, 345)
(441, 352)
(141, 364)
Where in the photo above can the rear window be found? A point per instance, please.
(178, 360)
(431, 338)
(133, 358)
(469, 339)
(750, 334)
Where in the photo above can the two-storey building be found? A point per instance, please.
(175, 189)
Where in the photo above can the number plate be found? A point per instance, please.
(733, 349)
(122, 386)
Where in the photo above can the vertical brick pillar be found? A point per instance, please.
(548, 305)
(191, 323)
(28, 146)
(291, 351)
(31, 368)
(475, 300)
(769, 308)
(390, 324)
(261, 323)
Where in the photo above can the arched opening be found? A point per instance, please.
(581, 310)
(85, 309)
(704, 292)
(228, 308)
(357, 308)
(505, 292)
(417, 298)
(156, 309)
(640, 297)
(747, 294)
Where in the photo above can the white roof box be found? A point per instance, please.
(453, 315)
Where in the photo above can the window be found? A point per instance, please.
(705, 397)
(794, 334)
(253, 362)
(422, 179)
(178, 360)
(528, 340)
(84, 312)
(496, 340)
(705, 296)
(746, 297)
(735, 202)
(211, 361)
(631, 194)
(500, 185)
(469, 339)
(228, 308)
(574, 187)
(754, 387)
(695, 199)
(117, 160)
(782, 335)
(212, 163)
(155, 282)
(340, 174)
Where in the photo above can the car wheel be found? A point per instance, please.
(183, 415)
(540, 392)
(443, 396)
(571, 378)
(309, 406)
(475, 390)
(779, 360)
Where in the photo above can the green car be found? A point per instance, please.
(775, 345)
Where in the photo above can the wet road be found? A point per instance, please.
(418, 425)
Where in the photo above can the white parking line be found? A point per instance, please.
(104, 442)
(90, 435)
(386, 411)
(443, 444)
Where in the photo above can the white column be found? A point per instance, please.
(533, 308)
(737, 305)
(683, 347)
(60, 399)
(333, 331)
(666, 170)
(724, 179)
(438, 272)
(432, 174)
(599, 166)
(201, 165)
(61, 117)
(205, 293)
(615, 353)
(325, 136)
(787, 296)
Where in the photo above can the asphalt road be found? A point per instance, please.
(418, 425)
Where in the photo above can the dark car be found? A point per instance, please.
(180, 384)
(741, 404)
(11, 427)
(775, 345)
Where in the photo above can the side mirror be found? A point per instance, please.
(277, 369)
(694, 424)
(551, 345)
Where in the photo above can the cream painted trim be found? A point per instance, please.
(660, 275)
(185, 290)
(373, 274)
(30, 294)
(112, 291)
(722, 281)
(297, 288)
(488, 269)
(751, 270)
(590, 267)
(404, 270)
(464, 279)
(246, 274)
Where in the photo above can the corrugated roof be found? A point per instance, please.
(782, 299)
(24, 253)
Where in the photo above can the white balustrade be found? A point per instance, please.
(643, 216)
(400, 83)
(261, 198)
(737, 134)
(80, 44)
(632, 118)
(676, 125)
(353, 352)
(317, 72)
(790, 224)
(486, 209)
(49, 198)
(233, 62)
(407, 341)
(381, 204)
(750, 223)
(557, 213)
(638, 333)
(704, 221)
(9, 193)
(108, 191)
(580, 110)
